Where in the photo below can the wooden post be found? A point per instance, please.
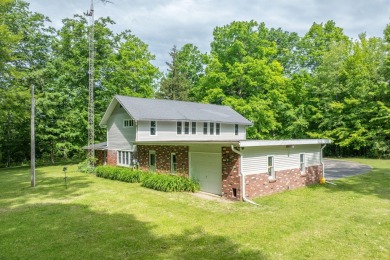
(32, 161)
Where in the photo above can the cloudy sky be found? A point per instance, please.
(164, 23)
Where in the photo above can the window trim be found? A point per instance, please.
(271, 174)
(217, 128)
(302, 163)
(130, 123)
(177, 127)
(211, 128)
(125, 156)
(186, 127)
(151, 127)
(192, 128)
(155, 160)
(205, 128)
(173, 165)
(236, 129)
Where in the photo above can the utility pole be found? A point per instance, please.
(32, 161)
(91, 105)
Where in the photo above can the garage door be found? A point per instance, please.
(207, 169)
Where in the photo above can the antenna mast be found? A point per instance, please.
(91, 105)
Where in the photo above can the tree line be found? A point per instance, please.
(321, 85)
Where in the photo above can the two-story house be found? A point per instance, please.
(208, 143)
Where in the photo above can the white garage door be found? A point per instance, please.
(207, 169)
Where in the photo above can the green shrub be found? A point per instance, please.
(120, 173)
(85, 167)
(169, 183)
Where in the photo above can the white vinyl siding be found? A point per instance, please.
(167, 131)
(255, 158)
(118, 136)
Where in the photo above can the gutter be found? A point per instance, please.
(242, 178)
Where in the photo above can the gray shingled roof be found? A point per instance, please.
(171, 110)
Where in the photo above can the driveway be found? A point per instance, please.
(336, 169)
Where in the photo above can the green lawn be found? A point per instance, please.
(98, 218)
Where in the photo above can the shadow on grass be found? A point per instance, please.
(376, 182)
(16, 188)
(72, 231)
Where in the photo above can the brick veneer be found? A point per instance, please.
(163, 157)
(111, 157)
(231, 178)
(259, 185)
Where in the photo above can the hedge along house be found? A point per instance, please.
(208, 143)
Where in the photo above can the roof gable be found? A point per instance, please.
(144, 109)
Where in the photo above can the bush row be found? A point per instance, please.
(120, 174)
(167, 183)
(156, 181)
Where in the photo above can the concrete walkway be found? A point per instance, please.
(336, 169)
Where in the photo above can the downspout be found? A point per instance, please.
(243, 178)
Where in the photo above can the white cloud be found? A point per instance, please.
(162, 24)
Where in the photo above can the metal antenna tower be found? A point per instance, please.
(91, 103)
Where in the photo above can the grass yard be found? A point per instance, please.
(96, 218)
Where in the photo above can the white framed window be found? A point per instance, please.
(128, 123)
(211, 128)
(302, 162)
(173, 162)
(205, 128)
(236, 129)
(179, 127)
(193, 128)
(186, 128)
(125, 158)
(217, 128)
(153, 127)
(271, 167)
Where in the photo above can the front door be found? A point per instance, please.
(152, 161)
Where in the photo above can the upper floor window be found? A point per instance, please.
(179, 127)
(153, 127)
(193, 128)
(217, 128)
(205, 128)
(128, 123)
(236, 129)
(211, 128)
(186, 128)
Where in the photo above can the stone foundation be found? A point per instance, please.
(257, 185)
(163, 157)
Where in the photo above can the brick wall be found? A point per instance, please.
(111, 157)
(163, 157)
(231, 178)
(99, 155)
(259, 185)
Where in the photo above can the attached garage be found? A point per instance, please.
(207, 169)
